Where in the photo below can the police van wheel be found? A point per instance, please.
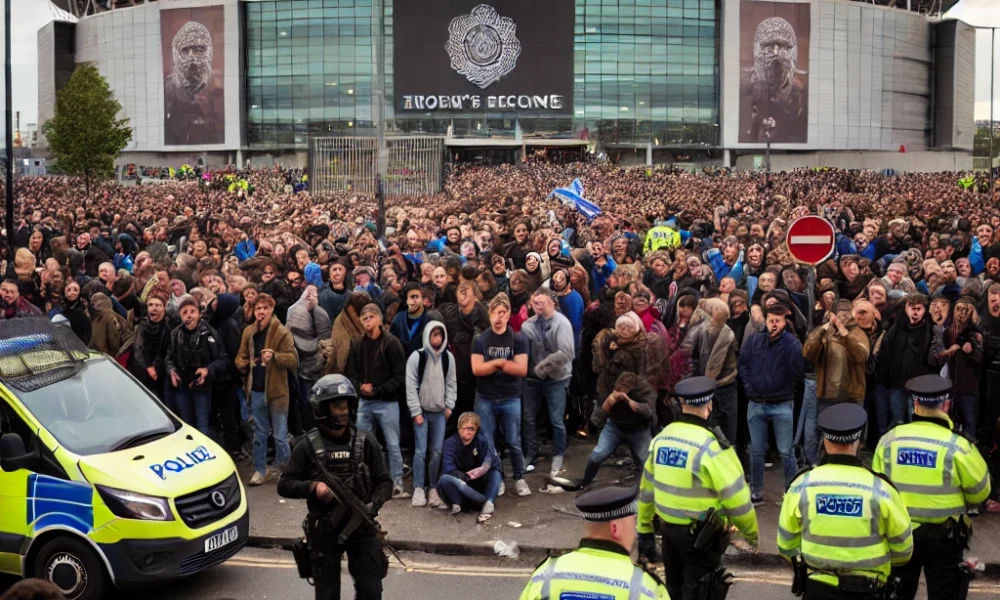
(72, 567)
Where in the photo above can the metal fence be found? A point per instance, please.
(982, 163)
(414, 165)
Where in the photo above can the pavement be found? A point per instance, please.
(539, 523)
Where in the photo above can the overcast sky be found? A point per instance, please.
(28, 16)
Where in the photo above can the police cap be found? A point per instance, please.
(929, 390)
(842, 423)
(695, 390)
(607, 503)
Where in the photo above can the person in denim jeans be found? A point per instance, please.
(771, 364)
(550, 368)
(376, 366)
(500, 362)
(194, 359)
(626, 417)
(430, 397)
(266, 355)
(472, 476)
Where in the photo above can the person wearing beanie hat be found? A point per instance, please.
(376, 365)
(609, 515)
(364, 281)
(334, 295)
(939, 474)
(960, 347)
(692, 471)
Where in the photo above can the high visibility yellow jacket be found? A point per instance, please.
(844, 519)
(688, 472)
(661, 237)
(598, 569)
(938, 472)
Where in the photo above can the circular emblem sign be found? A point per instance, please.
(483, 46)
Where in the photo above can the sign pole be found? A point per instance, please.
(9, 133)
(811, 295)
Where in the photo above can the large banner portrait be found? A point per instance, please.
(471, 56)
(774, 72)
(193, 47)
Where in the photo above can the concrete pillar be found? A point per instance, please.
(727, 158)
(649, 154)
(239, 159)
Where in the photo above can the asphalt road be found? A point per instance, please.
(270, 574)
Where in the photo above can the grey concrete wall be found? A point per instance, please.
(125, 46)
(870, 79)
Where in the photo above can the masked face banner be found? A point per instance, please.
(469, 56)
(192, 44)
(774, 72)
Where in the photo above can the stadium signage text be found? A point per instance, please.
(474, 102)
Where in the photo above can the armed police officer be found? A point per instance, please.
(694, 482)
(939, 472)
(339, 470)
(600, 567)
(842, 525)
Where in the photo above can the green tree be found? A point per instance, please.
(86, 135)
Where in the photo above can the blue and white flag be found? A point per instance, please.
(573, 196)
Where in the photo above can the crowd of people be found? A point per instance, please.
(494, 302)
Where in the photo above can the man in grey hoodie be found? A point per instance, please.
(550, 367)
(431, 391)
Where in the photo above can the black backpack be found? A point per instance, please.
(423, 363)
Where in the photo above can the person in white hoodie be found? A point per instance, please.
(431, 391)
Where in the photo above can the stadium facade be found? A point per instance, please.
(828, 82)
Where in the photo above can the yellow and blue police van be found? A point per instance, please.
(100, 484)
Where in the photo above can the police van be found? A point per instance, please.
(101, 485)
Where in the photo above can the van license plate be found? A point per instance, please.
(222, 539)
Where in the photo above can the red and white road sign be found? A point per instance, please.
(811, 239)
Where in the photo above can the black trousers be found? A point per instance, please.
(684, 565)
(821, 591)
(365, 562)
(227, 405)
(939, 557)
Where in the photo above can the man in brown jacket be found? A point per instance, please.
(839, 350)
(267, 353)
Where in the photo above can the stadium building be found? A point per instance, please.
(384, 84)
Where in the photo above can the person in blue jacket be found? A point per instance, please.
(770, 366)
(470, 474)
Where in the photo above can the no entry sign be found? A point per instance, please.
(811, 239)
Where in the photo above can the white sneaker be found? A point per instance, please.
(419, 498)
(557, 465)
(455, 509)
(521, 487)
(257, 479)
(398, 491)
(487, 508)
(433, 500)
(503, 488)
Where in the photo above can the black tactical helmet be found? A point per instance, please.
(328, 388)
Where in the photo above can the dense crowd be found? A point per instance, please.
(493, 299)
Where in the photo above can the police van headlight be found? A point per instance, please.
(130, 505)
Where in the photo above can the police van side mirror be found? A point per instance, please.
(13, 455)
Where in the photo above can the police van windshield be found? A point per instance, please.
(100, 409)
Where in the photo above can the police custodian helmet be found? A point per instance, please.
(327, 389)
